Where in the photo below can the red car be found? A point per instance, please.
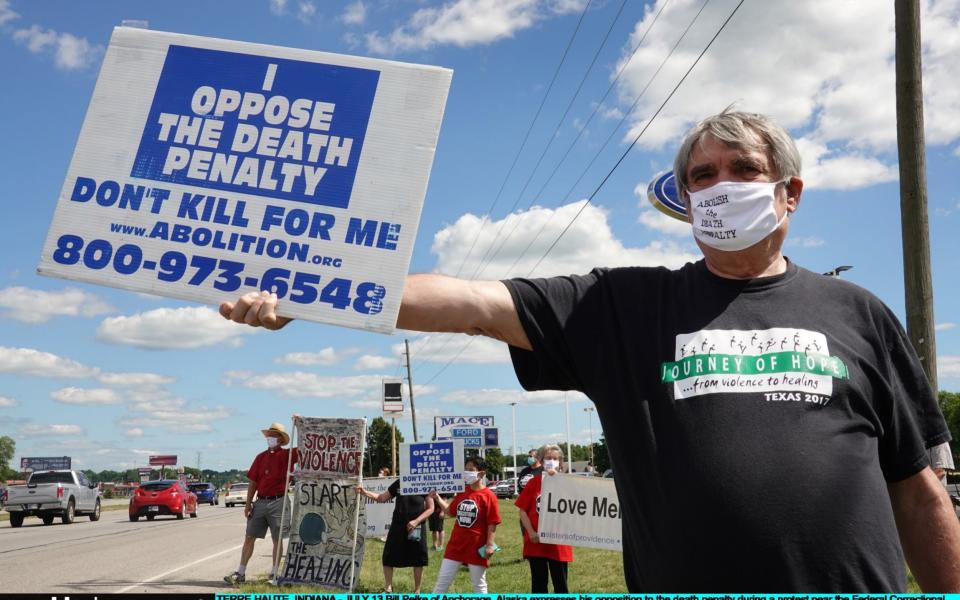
(162, 497)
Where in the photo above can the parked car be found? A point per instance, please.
(162, 497)
(51, 494)
(206, 492)
(506, 488)
(236, 494)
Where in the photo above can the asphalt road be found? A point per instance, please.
(116, 555)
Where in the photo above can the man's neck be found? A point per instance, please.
(745, 266)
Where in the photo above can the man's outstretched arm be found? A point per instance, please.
(929, 532)
(430, 303)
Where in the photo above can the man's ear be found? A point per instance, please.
(793, 188)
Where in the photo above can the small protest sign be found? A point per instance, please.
(428, 466)
(209, 168)
(330, 448)
(580, 511)
(324, 549)
(379, 514)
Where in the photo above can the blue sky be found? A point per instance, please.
(108, 376)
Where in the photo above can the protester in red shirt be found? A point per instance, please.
(268, 478)
(542, 557)
(476, 515)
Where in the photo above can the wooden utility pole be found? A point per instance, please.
(393, 446)
(917, 279)
(413, 411)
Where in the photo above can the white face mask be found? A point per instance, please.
(733, 215)
(469, 477)
(272, 442)
(551, 464)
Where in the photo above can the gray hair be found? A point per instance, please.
(740, 130)
(549, 448)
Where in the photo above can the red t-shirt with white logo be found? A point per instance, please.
(472, 511)
(529, 502)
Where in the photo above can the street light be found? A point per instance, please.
(589, 410)
(513, 444)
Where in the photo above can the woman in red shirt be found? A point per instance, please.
(476, 515)
(542, 557)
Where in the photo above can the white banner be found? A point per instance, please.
(428, 466)
(580, 511)
(209, 168)
(379, 514)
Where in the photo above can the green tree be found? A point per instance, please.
(8, 448)
(495, 463)
(950, 406)
(378, 446)
(601, 458)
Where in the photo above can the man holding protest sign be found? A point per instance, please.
(767, 425)
(268, 479)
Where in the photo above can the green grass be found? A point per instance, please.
(5, 516)
(591, 570)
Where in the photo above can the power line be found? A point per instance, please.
(526, 137)
(614, 168)
(552, 136)
(637, 138)
(516, 158)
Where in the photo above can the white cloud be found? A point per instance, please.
(306, 11)
(134, 379)
(166, 328)
(804, 242)
(944, 326)
(326, 357)
(278, 7)
(653, 219)
(39, 306)
(587, 244)
(8, 402)
(460, 348)
(86, 397)
(69, 51)
(948, 366)
(355, 13)
(298, 384)
(369, 362)
(7, 14)
(133, 432)
(467, 23)
(43, 430)
(821, 68)
(502, 397)
(27, 361)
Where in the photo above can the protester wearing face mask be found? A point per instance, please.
(768, 426)
(268, 476)
(543, 558)
(530, 471)
(476, 514)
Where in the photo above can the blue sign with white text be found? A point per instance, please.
(257, 125)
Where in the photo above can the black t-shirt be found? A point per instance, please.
(752, 425)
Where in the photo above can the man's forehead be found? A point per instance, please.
(710, 152)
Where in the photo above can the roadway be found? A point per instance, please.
(118, 556)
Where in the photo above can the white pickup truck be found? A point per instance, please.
(51, 494)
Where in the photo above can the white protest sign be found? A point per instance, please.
(324, 549)
(379, 514)
(580, 511)
(427, 466)
(209, 168)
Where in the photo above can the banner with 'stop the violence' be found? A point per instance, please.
(209, 168)
(580, 511)
(329, 448)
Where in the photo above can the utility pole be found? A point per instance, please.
(589, 410)
(513, 446)
(413, 411)
(199, 472)
(917, 279)
(393, 446)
